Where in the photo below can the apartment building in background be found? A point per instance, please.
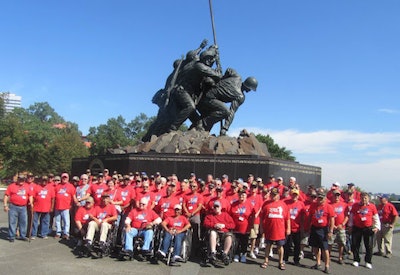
(11, 101)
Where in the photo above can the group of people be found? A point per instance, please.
(239, 214)
(198, 92)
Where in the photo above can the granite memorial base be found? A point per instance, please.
(235, 166)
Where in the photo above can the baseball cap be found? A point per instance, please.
(75, 178)
(279, 178)
(384, 196)
(336, 192)
(57, 178)
(350, 184)
(90, 199)
(321, 194)
(217, 203)
(224, 176)
(274, 191)
(178, 206)
(64, 175)
(336, 184)
(295, 191)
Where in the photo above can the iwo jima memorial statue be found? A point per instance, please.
(198, 90)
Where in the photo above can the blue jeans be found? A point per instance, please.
(177, 243)
(147, 236)
(17, 215)
(62, 215)
(44, 219)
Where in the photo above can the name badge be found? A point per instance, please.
(363, 219)
(320, 221)
(241, 219)
(190, 207)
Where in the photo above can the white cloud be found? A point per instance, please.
(371, 160)
(388, 111)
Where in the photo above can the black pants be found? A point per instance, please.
(294, 238)
(367, 235)
(242, 240)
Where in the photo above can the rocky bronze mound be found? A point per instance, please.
(200, 142)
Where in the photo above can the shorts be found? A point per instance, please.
(338, 236)
(254, 231)
(278, 242)
(319, 237)
(304, 238)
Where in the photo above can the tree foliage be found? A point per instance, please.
(274, 149)
(38, 140)
(118, 133)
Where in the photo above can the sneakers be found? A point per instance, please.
(341, 262)
(236, 258)
(326, 270)
(256, 251)
(225, 258)
(243, 258)
(33, 238)
(368, 265)
(161, 254)
(252, 255)
(388, 255)
(178, 258)
(262, 243)
(356, 264)
(301, 255)
(271, 253)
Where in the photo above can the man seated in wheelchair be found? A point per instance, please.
(175, 228)
(219, 225)
(140, 222)
(101, 221)
(82, 219)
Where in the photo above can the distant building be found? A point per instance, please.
(11, 101)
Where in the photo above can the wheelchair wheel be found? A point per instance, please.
(186, 246)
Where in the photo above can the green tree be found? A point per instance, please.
(29, 141)
(2, 106)
(274, 149)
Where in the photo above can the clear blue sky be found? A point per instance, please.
(328, 71)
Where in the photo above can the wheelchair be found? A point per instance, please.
(219, 250)
(109, 247)
(138, 243)
(185, 248)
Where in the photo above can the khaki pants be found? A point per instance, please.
(384, 239)
(93, 227)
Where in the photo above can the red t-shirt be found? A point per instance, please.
(104, 212)
(296, 212)
(240, 212)
(165, 206)
(256, 201)
(18, 194)
(127, 194)
(192, 202)
(96, 190)
(224, 218)
(42, 197)
(362, 214)
(139, 218)
(321, 214)
(149, 196)
(275, 218)
(64, 194)
(306, 223)
(341, 211)
(82, 214)
(177, 223)
(387, 212)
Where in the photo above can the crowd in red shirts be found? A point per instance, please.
(264, 214)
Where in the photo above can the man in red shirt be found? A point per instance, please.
(241, 212)
(219, 224)
(43, 198)
(16, 199)
(296, 211)
(64, 193)
(388, 216)
(174, 227)
(140, 222)
(364, 220)
(341, 217)
(82, 219)
(165, 207)
(276, 225)
(103, 219)
(192, 205)
(256, 201)
(147, 194)
(97, 189)
(322, 218)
